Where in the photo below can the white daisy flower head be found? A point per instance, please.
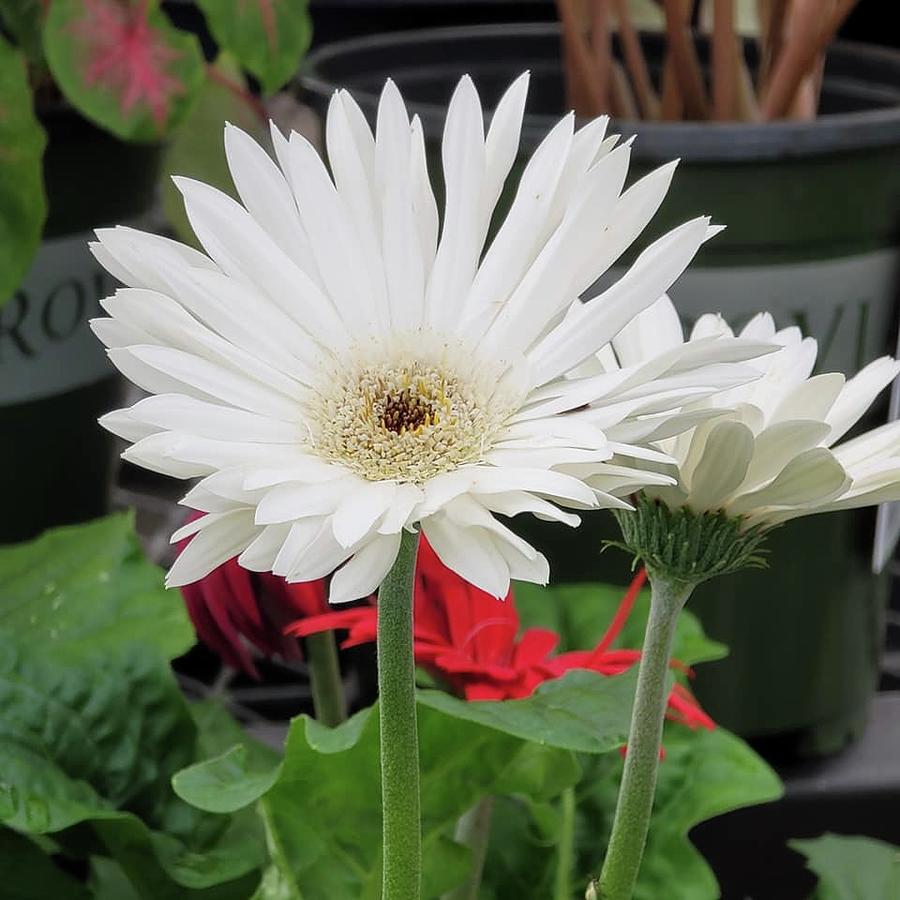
(769, 450)
(343, 362)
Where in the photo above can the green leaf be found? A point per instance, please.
(88, 588)
(228, 782)
(108, 881)
(581, 711)
(323, 810)
(704, 774)
(852, 868)
(522, 856)
(23, 205)
(28, 873)
(91, 742)
(267, 37)
(197, 149)
(75, 740)
(581, 613)
(122, 64)
(22, 20)
(218, 731)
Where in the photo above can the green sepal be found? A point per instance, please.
(688, 547)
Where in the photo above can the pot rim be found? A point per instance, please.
(692, 141)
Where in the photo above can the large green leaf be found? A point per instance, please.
(322, 809)
(89, 587)
(198, 148)
(91, 742)
(581, 711)
(581, 613)
(28, 873)
(522, 858)
(267, 37)
(852, 868)
(704, 773)
(23, 206)
(94, 726)
(122, 64)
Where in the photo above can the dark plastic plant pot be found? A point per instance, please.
(813, 210)
(55, 380)
(338, 20)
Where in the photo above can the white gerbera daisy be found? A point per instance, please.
(767, 450)
(337, 368)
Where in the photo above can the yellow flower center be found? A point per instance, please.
(404, 419)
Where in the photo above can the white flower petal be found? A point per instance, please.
(516, 243)
(360, 511)
(232, 237)
(290, 502)
(811, 399)
(344, 244)
(186, 373)
(858, 394)
(265, 194)
(361, 575)
(469, 552)
(299, 537)
(723, 465)
(811, 477)
(778, 444)
(218, 540)
(502, 142)
(262, 551)
(463, 154)
(652, 275)
(405, 501)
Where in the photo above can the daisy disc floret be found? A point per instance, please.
(344, 363)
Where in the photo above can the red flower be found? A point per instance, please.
(231, 607)
(468, 639)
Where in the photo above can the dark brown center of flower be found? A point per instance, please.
(407, 411)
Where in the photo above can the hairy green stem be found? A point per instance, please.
(325, 678)
(473, 830)
(565, 849)
(632, 818)
(401, 826)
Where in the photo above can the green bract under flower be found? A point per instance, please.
(688, 547)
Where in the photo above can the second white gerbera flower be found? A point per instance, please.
(770, 450)
(339, 367)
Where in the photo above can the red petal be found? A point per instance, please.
(623, 612)
(534, 646)
(484, 691)
(331, 621)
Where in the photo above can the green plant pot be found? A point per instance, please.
(813, 210)
(55, 380)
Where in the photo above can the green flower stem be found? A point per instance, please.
(325, 679)
(565, 850)
(473, 830)
(401, 826)
(632, 819)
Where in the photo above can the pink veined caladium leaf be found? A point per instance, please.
(122, 64)
(267, 37)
